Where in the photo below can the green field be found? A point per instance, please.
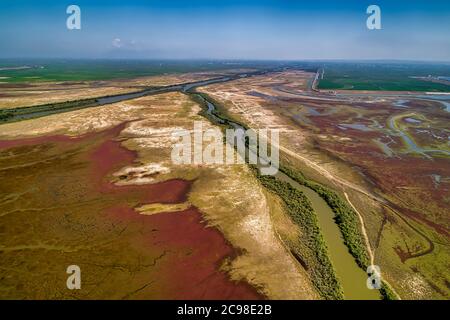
(383, 76)
(338, 75)
(85, 70)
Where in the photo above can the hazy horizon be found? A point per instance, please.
(211, 59)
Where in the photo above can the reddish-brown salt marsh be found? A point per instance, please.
(60, 208)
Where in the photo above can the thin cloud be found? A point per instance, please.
(117, 43)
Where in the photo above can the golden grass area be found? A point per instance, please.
(412, 254)
(155, 208)
(36, 93)
(52, 216)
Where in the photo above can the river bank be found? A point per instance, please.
(344, 271)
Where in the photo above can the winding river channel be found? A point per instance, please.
(352, 278)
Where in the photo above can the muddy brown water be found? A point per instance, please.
(352, 278)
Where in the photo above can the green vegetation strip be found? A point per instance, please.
(310, 249)
(348, 222)
(14, 114)
(345, 217)
(387, 293)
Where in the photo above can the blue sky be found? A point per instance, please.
(276, 29)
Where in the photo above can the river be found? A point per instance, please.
(352, 278)
(25, 113)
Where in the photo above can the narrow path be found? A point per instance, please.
(363, 229)
(356, 188)
(329, 175)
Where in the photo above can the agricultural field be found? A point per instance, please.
(384, 76)
(75, 70)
